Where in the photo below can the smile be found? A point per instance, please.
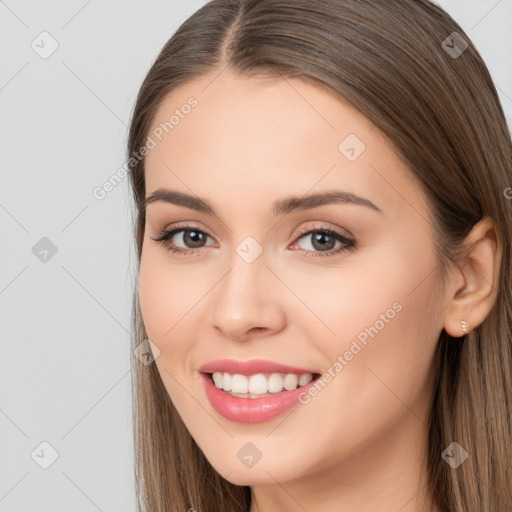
(259, 385)
(253, 405)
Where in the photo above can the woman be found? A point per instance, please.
(324, 263)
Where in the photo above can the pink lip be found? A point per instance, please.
(251, 367)
(251, 410)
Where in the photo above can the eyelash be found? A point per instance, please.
(350, 245)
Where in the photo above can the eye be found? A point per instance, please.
(191, 237)
(323, 241)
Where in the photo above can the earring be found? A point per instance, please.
(464, 326)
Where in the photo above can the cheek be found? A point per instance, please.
(153, 301)
(387, 320)
(379, 309)
(159, 296)
(165, 294)
(171, 299)
(379, 359)
(162, 305)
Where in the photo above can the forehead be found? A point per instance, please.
(259, 115)
(251, 133)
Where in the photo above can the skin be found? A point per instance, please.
(358, 445)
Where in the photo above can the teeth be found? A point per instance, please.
(253, 386)
(226, 383)
(257, 384)
(239, 384)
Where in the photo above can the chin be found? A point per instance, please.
(249, 476)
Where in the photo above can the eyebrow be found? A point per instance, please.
(281, 207)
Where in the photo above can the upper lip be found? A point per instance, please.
(251, 367)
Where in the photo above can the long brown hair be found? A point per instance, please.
(394, 61)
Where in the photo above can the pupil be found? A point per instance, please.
(317, 238)
(193, 238)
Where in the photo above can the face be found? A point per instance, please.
(343, 287)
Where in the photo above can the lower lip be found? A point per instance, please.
(251, 410)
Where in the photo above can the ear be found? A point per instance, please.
(474, 285)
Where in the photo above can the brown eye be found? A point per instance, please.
(190, 238)
(323, 242)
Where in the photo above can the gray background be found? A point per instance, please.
(64, 351)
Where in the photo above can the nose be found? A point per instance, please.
(248, 302)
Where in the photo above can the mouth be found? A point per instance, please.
(259, 385)
(256, 398)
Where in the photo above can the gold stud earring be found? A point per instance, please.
(464, 326)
